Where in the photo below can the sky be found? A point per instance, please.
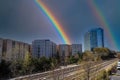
(23, 20)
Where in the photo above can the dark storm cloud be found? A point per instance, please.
(74, 15)
(110, 9)
(23, 20)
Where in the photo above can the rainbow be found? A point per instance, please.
(58, 27)
(102, 20)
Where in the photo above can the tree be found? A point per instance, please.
(88, 56)
(88, 61)
(87, 67)
(102, 52)
(57, 56)
(72, 60)
(41, 64)
(28, 63)
(5, 71)
(118, 55)
(54, 64)
(16, 68)
(45, 62)
(80, 55)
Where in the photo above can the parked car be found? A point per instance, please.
(118, 66)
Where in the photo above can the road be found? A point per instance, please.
(64, 72)
(116, 76)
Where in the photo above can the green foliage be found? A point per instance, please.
(31, 65)
(104, 53)
(27, 60)
(88, 56)
(72, 60)
(28, 65)
(45, 63)
(54, 63)
(4, 69)
(101, 50)
(77, 58)
(16, 68)
(105, 75)
(42, 64)
(102, 75)
(80, 55)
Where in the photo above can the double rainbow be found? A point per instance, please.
(58, 27)
(102, 20)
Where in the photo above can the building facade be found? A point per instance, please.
(100, 37)
(87, 41)
(76, 48)
(1, 48)
(94, 38)
(14, 50)
(44, 48)
(64, 52)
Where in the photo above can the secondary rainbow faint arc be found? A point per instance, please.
(54, 21)
(101, 18)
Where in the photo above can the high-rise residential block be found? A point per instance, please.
(13, 50)
(1, 48)
(76, 48)
(64, 52)
(44, 48)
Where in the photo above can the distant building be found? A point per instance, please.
(100, 37)
(13, 50)
(44, 48)
(64, 51)
(76, 48)
(1, 48)
(87, 41)
(94, 38)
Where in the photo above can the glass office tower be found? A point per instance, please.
(94, 38)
